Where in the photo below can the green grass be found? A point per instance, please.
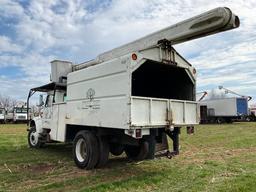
(215, 158)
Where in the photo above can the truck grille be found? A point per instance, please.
(21, 117)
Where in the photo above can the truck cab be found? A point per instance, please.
(20, 114)
(46, 122)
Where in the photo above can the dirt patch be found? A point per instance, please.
(50, 173)
(223, 176)
(38, 168)
(13, 129)
(236, 152)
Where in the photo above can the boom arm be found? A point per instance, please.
(232, 92)
(211, 22)
(203, 96)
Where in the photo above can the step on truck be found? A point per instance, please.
(128, 99)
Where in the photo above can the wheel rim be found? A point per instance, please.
(81, 150)
(33, 138)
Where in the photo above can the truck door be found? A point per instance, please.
(47, 112)
(50, 114)
(54, 121)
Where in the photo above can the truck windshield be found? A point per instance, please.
(21, 110)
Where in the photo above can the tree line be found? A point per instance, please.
(7, 102)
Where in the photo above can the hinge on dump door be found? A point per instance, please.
(167, 52)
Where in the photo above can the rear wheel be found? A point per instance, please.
(103, 151)
(85, 150)
(116, 149)
(33, 138)
(220, 120)
(137, 153)
(151, 147)
(228, 120)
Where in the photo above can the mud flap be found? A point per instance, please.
(162, 148)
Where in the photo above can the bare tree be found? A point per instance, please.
(7, 102)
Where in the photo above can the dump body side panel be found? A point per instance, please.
(99, 95)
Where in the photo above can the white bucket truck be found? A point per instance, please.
(20, 113)
(127, 99)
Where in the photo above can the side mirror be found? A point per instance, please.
(41, 100)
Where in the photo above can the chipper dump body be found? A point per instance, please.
(126, 99)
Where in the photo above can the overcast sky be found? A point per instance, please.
(32, 33)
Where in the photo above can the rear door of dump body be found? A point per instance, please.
(163, 90)
(155, 112)
(242, 106)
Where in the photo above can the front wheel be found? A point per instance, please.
(33, 138)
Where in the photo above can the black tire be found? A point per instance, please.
(33, 139)
(103, 151)
(151, 147)
(137, 153)
(116, 149)
(220, 120)
(85, 150)
(228, 120)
